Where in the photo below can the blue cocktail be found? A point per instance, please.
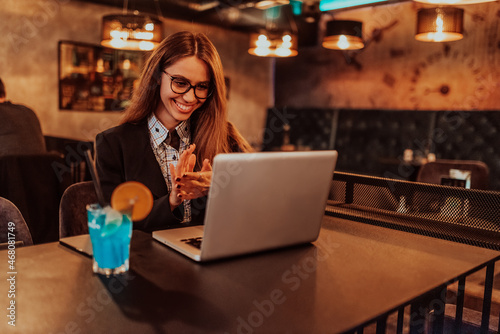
(110, 232)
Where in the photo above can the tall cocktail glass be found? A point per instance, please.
(110, 233)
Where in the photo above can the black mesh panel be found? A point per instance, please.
(462, 215)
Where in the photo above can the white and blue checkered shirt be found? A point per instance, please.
(166, 154)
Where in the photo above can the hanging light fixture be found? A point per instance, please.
(274, 41)
(453, 2)
(343, 35)
(441, 24)
(131, 32)
(266, 44)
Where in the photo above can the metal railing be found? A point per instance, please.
(467, 216)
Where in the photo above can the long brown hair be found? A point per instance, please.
(211, 131)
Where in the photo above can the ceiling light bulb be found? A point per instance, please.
(118, 34)
(262, 51)
(117, 43)
(343, 43)
(143, 35)
(439, 23)
(263, 42)
(283, 52)
(146, 46)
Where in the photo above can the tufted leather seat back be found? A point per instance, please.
(372, 142)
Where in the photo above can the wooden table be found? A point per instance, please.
(353, 274)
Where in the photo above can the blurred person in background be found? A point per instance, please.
(20, 131)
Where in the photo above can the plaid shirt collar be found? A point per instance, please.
(159, 132)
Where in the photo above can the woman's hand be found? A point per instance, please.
(183, 166)
(196, 184)
(187, 184)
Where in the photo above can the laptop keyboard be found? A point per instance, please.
(195, 242)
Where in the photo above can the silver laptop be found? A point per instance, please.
(79, 243)
(257, 202)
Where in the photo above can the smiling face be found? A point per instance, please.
(174, 108)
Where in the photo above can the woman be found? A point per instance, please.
(174, 127)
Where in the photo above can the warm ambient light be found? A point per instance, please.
(343, 35)
(442, 24)
(265, 45)
(453, 2)
(131, 32)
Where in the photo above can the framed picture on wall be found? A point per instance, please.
(95, 78)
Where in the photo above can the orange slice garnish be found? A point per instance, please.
(132, 196)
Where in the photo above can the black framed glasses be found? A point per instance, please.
(182, 86)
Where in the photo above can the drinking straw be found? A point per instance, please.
(95, 178)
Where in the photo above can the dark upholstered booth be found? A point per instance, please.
(372, 142)
(35, 184)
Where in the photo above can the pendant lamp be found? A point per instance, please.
(440, 24)
(266, 44)
(131, 32)
(343, 35)
(275, 41)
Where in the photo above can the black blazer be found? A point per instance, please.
(124, 153)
